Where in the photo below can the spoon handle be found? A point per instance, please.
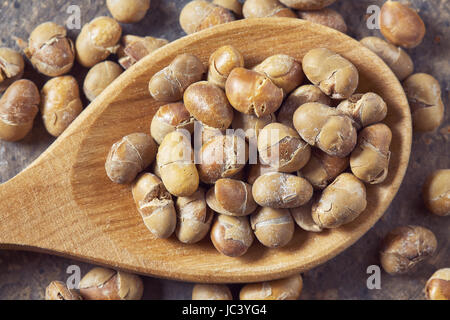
(33, 205)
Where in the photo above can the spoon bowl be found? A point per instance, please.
(64, 203)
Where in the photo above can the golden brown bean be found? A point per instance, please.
(222, 62)
(176, 164)
(332, 73)
(60, 104)
(326, 128)
(18, 108)
(97, 40)
(274, 228)
(100, 77)
(323, 168)
(231, 197)
(257, 170)
(106, 284)
(58, 290)
(198, 15)
(303, 217)
(436, 192)
(50, 51)
(194, 217)
(251, 124)
(424, 96)
(155, 205)
(250, 92)
(231, 236)
(341, 202)
(281, 190)
(282, 148)
(395, 57)
(302, 95)
(135, 48)
(222, 157)
(11, 67)
(401, 25)
(233, 5)
(171, 117)
(364, 109)
(406, 247)
(370, 159)
(128, 11)
(168, 85)
(438, 286)
(209, 104)
(129, 156)
(284, 71)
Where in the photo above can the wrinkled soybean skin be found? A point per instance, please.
(364, 109)
(424, 95)
(301, 95)
(231, 197)
(155, 205)
(198, 15)
(169, 118)
(222, 62)
(250, 92)
(50, 51)
(282, 148)
(222, 157)
(60, 104)
(307, 4)
(274, 228)
(332, 73)
(303, 217)
(284, 71)
(194, 217)
(231, 236)
(325, 128)
(370, 159)
(97, 40)
(129, 156)
(208, 104)
(436, 192)
(169, 84)
(251, 124)
(323, 168)
(341, 202)
(18, 108)
(281, 190)
(395, 57)
(266, 8)
(175, 160)
(405, 247)
(11, 67)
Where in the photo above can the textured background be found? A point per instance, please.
(25, 275)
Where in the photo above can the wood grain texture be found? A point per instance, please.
(64, 203)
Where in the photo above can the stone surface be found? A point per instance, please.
(25, 275)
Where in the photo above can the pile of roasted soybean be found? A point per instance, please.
(307, 152)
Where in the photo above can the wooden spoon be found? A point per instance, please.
(64, 204)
